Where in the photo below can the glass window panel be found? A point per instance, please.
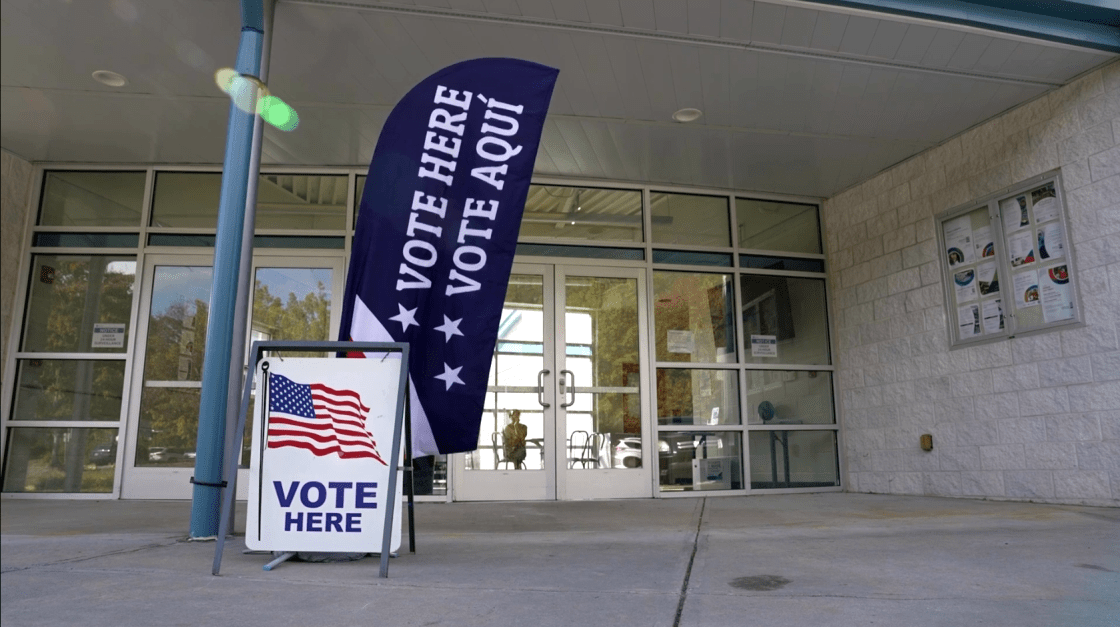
(601, 353)
(692, 258)
(87, 240)
(292, 304)
(693, 317)
(177, 324)
(781, 263)
(60, 460)
(297, 241)
(774, 225)
(429, 475)
(699, 461)
(55, 389)
(690, 219)
(789, 397)
(168, 426)
(306, 202)
(82, 199)
(79, 303)
(582, 213)
(793, 459)
(169, 239)
(582, 252)
(784, 320)
(697, 397)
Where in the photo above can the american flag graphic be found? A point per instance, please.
(319, 419)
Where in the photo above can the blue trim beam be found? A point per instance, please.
(1083, 23)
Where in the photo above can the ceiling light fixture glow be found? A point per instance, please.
(112, 79)
(687, 114)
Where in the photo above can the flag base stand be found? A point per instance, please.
(283, 557)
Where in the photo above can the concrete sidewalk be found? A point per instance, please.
(811, 559)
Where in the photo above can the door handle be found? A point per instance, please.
(540, 388)
(570, 387)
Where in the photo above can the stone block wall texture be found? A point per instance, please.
(15, 194)
(1034, 418)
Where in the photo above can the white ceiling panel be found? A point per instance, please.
(704, 17)
(593, 56)
(887, 39)
(799, 26)
(736, 19)
(767, 23)
(858, 35)
(671, 16)
(638, 14)
(797, 98)
(828, 31)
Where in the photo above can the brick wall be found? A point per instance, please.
(1033, 418)
(15, 191)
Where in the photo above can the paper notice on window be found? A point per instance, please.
(958, 241)
(764, 346)
(681, 342)
(1057, 302)
(107, 335)
(992, 314)
(1045, 204)
(1025, 285)
(968, 321)
(1022, 248)
(985, 247)
(1051, 244)
(1014, 212)
(964, 283)
(987, 278)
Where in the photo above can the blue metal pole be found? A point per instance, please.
(206, 502)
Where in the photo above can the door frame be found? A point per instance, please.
(138, 482)
(556, 481)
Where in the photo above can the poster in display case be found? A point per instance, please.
(1019, 235)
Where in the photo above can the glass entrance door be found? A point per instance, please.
(563, 414)
(291, 300)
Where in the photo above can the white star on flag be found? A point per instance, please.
(450, 375)
(449, 327)
(407, 317)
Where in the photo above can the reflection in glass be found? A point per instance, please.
(793, 459)
(60, 460)
(700, 461)
(773, 225)
(694, 317)
(173, 365)
(697, 397)
(79, 303)
(582, 213)
(784, 320)
(518, 358)
(292, 304)
(789, 397)
(690, 219)
(55, 389)
(82, 199)
(307, 202)
(601, 355)
(168, 426)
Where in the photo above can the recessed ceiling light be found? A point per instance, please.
(112, 79)
(687, 114)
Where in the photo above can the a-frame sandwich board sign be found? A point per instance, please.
(325, 450)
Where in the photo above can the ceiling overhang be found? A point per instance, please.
(798, 97)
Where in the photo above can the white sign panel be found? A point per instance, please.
(764, 345)
(319, 470)
(108, 335)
